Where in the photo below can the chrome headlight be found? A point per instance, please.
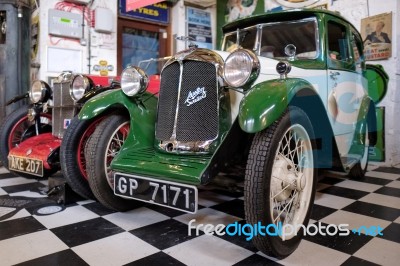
(241, 67)
(134, 81)
(40, 91)
(79, 86)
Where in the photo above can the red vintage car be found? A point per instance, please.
(31, 136)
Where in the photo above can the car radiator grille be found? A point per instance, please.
(63, 108)
(177, 119)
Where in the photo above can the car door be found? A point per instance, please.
(345, 86)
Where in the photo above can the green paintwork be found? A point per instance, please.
(377, 82)
(377, 153)
(262, 105)
(147, 161)
(101, 102)
(267, 101)
(138, 154)
(142, 111)
(358, 143)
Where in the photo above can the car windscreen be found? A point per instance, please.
(274, 37)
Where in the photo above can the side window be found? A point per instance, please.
(337, 42)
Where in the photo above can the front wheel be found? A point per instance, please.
(280, 182)
(101, 149)
(72, 155)
(17, 128)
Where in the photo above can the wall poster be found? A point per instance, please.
(199, 27)
(376, 32)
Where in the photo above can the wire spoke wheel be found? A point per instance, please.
(21, 130)
(113, 147)
(280, 182)
(17, 127)
(104, 145)
(290, 192)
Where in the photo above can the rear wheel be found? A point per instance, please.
(280, 182)
(72, 155)
(102, 147)
(17, 128)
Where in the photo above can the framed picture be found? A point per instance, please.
(376, 32)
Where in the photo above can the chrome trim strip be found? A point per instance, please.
(173, 137)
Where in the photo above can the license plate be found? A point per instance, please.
(25, 165)
(169, 194)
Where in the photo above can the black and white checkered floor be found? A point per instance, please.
(85, 233)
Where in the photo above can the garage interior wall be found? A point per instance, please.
(80, 55)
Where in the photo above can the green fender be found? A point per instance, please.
(103, 101)
(267, 101)
(366, 116)
(142, 112)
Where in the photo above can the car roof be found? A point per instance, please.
(275, 16)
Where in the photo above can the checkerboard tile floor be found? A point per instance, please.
(85, 233)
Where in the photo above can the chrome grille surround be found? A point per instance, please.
(188, 107)
(63, 107)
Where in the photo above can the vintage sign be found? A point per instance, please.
(199, 27)
(135, 4)
(376, 32)
(158, 12)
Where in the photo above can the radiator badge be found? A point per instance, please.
(196, 96)
(66, 123)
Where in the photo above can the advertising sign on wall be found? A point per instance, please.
(158, 12)
(199, 27)
(377, 36)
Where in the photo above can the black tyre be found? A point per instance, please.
(72, 155)
(360, 168)
(16, 128)
(102, 147)
(280, 181)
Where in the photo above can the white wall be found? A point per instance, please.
(56, 53)
(354, 11)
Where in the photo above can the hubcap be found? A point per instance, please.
(292, 180)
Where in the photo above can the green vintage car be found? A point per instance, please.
(286, 96)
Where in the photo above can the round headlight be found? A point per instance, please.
(79, 86)
(241, 67)
(134, 81)
(40, 91)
